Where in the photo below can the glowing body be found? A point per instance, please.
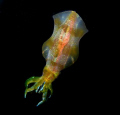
(60, 51)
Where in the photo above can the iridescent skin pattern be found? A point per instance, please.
(60, 51)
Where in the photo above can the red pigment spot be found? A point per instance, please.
(61, 44)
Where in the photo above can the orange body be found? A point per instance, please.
(62, 48)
